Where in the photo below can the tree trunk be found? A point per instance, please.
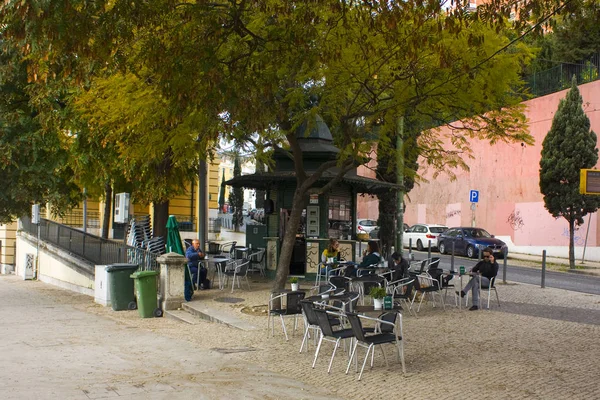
(289, 239)
(160, 217)
(107, 209)
(571, 243)
(387, 211)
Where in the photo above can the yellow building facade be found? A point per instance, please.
(184, 206)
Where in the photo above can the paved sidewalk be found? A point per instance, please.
(50, 349)
(61, 345)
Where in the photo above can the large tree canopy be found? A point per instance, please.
(270, 65)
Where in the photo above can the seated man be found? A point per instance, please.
(194, 254)
(399, 267)
(488, 268)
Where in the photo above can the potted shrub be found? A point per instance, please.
(294, 282)
(377, 294)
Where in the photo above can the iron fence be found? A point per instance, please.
(92, 248)
(559, 78)
(75, 218)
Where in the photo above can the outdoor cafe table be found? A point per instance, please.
(357, 283)
(457, 274)
(218, 267)
(345, 299)
(369, 310)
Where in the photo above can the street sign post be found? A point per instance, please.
(474, 196)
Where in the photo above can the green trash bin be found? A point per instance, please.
(145, 291)
(120, 286)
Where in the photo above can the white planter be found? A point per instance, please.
(294, 287)
(377, 304)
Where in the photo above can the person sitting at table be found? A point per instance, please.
(370, 259)
(331, 252)
(485, 270)
(194, 254)
(399, 267)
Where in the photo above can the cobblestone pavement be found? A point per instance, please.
(540, 344)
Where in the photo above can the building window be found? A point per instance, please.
(339, 208)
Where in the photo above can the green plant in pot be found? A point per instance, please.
(377, 294)
(294, 282)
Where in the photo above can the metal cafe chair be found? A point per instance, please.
(402, 292)
(237, 269)
(389, 333)
(257, 262)
(288, 305)
(487, 289)
(328, 334)
(424, 285)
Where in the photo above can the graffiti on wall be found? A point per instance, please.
(452, 213)
(515, 220)
(577, 240)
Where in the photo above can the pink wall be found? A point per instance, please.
(507, 177)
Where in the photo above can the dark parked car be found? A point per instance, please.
(374, 234)
(470, 241)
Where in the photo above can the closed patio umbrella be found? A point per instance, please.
(174, 245)
(173, 237)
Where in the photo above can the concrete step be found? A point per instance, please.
(182, 316)
(214, 315)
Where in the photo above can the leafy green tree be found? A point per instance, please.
(576, 35)
(33, 160)
(148, 143)
(570, 47)
(569, 146)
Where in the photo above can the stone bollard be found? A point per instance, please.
(172, 269)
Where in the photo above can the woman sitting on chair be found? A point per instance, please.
(371, 258)
(331, 252)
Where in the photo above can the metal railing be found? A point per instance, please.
(559, 78)
(94, 249)
(75, 218)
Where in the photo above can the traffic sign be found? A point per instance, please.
(474, 196)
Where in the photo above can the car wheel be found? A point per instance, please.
(471, 252)
(442, 248)
(419, 245)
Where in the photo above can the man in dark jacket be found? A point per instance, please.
(399, 267)
(485, 270)
(194, 254)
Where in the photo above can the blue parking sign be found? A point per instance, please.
(474, 196)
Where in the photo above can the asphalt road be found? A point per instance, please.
(515, 273)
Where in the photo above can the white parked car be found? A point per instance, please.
(365, 225)
(420, 235)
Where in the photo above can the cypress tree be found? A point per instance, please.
(236, 198)
(222, 193)
(569, 146)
